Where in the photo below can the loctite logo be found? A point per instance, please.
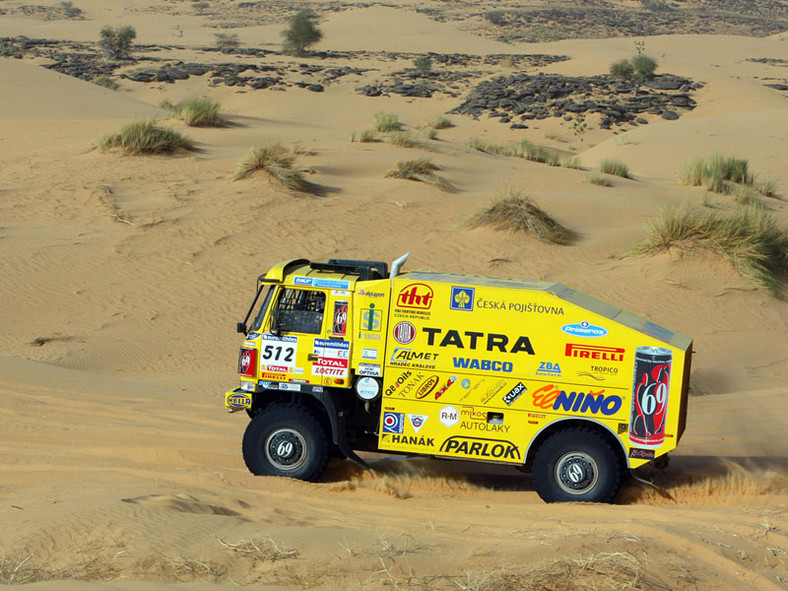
(594, 352)
(498, 449)
(416, 295)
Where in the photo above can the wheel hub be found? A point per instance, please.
(285, 449)
(576, 473)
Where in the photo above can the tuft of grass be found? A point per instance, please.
(766, 187)
(497, 149)
(367, 136)
(198, 113)
(105, 81)
(517, 213)
(749, 238)
(421, 170)
(401, 139)
(614, 167)
(278, 162)
(572, 162)
(597, 179)
(386, 122)
(146, 137)
(713, 172)
(429, 133)
(440, 122)
(228, 41)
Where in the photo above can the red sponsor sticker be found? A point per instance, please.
(416, 295)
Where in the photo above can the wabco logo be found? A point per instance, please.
(584, 329)
(416, 295)
(483, 364)
(481, 448)
(550, 397)
(592, 352)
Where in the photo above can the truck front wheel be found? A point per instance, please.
(286, 440)
(577, 464)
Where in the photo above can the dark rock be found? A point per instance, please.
(641, 121)
(315, 87)
(670, 115)
(518, 126)
(177, 74)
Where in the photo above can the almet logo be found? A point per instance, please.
(496, 449)
(416, 295)
(594, 352)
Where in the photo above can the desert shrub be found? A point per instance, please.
(105, 81)
(749, 238)
(115, 43)
(421, 170)
(766, 187)
(496, 17)
(385, 122)
(277, 161)
(430, 133)
(440, 122)
(512, 211)
(423, 64)
(540, 154)
(227, 40)
(146, 137)
(712, 173)
(597, 179)
(200, 6)
(614, 167)
(69, 10)
(571, 162)
(636, 70)
(301, 34)
(368, 136)
(483, 145)
(199, 113)
(7, 49)
(402, 139)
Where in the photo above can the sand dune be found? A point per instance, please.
(124, 277)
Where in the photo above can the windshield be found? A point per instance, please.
(260, 313)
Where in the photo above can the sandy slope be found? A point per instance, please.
(123, 277)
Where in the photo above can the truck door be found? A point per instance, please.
(297, 348)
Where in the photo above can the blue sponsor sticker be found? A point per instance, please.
(326, 344)
(462, 298)
(584, 329)
(322, 283)
(465, 384)
(239, 400)
(393, 422)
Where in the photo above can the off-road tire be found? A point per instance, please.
(577, 464)
(286, 440)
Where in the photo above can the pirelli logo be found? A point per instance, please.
(594, 352)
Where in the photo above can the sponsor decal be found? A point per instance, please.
(369, 369)
(462, 298)
(512, 395)
(493, 391)
(404, 333)
(370, 294)
(417, 421)
(277, 368)
(367, 388)
(426, 387)
(369, 354)
(584, 329)
(239, 400)
(393, 422)
(642, 454)
(403, 356)
(412, 440)
(273, 376)
(486, 427)
(397, 383)
(549, 369)
(369, 337)
(483, 364)
(440, 392)
(370, 319)
(491, 341)
(473, 413)
(337, 349)
(322, 283)
(595, 352)
(340, 293)
(550, 397)
(466, 383)
(278, 351)
(246, 362)
(449, 416)
(521, 307)
(499, 449)
(340, 319)
(291, 387)
(416, 295)
(599, 372)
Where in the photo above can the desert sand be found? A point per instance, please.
(123, 277)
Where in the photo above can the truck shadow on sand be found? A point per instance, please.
(698, 480)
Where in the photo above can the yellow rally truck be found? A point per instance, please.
(346, 356)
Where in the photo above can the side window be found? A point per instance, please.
(301, 310)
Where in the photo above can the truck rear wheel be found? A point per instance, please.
(286, 440)
(577, 464)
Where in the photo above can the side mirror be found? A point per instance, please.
(240, 327)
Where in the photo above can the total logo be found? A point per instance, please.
(449, 416)
(416, 295)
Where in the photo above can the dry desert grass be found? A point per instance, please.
(146, 137)
(421, 170)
